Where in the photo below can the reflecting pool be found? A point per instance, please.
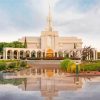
(50, 88)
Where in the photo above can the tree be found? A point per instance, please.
(25, 43)
(87, 51)
(15, 44)
(66, 65)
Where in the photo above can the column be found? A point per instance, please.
(57, 54)
(17, 55)
(63, 54)
(57, 71)
(30, 72)
(45, 72)
(36, 54)
(4, 54)
(54, 71)
(41, 54)
(30, 54)
(89, 56)
(69, 54)
(94, 55)
(54, 54)
(36, 72)
(24, 54)
(41, 71)
(12, 55)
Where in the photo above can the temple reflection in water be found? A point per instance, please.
(50, 86)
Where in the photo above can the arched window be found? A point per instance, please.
(39, 54)
(55, 54)
(33, 54)
(60, 53)
(9, 54)
(66, 54)
(27, 54)
(22, 54)
(15, 54)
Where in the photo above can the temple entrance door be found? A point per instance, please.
(49, 53)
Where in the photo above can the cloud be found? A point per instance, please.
(82, 24)
(70, 17)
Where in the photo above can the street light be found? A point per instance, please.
(77, 73)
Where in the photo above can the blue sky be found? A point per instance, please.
(79, 18)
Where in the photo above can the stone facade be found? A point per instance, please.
(49, 44)
(51, 40)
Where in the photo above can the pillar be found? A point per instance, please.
(36, 54)
(94, 55)
(69, 54)
(54, 71)
(24, 54)
(89, 56)
(54, 54)
(57, 71)
(57, 54)
(30, 72)
(41, 54)
(18, 54)
(30, 55)
(4, 54)
(41, 71)
(36, 72)
(45, 72)
(12, 55)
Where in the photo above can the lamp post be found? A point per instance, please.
(77, 73)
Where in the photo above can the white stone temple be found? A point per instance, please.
(49, 44)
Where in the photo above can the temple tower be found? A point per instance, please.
(49, 37)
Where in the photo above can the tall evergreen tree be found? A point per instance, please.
(25, 43)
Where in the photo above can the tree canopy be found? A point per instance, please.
(14, 44)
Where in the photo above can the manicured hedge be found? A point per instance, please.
(91, 66)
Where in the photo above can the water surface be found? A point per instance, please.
(51, 89)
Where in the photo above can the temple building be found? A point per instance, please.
(49, 44)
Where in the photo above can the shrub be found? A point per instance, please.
(66, 65)
(2, 66)
(23, 64)
(90, 66)
(12, 65)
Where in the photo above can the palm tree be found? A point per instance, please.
(66, 65)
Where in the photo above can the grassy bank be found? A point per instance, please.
(90, 66)
(12, 65)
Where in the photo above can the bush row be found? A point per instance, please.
(90, 66)
(12, 66)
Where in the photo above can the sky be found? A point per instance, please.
(79, 18)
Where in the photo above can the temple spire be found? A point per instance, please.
(49, 19)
